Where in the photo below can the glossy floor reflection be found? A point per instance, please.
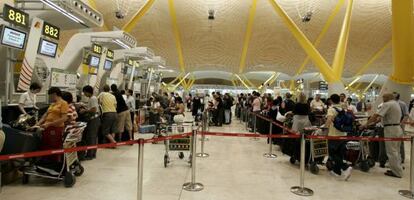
(236, 169)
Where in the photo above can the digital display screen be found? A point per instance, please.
(108, 65)
(13, 38)
(94, 61)
(47, 48)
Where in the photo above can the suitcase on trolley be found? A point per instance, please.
(147, 129)
(18, 141)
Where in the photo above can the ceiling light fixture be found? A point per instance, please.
(121, 43)
(63, 12)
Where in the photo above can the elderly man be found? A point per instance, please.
(390, 114)
(316, 104)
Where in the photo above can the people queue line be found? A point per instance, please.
(393, 116)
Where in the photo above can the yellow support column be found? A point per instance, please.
(248, 81)
(177, 36)
(325, 29)
(245, 85)
(402, 50)
(312, 52)
(402, 41)
(247, 37)
(140, 13)
(339, 59)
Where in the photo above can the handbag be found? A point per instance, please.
(280, 117)
(24, 122)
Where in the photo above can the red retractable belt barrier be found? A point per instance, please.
(83, 148)
(292, 132)
(275, 123)
(249, 135)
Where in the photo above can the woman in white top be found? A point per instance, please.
(27, 100)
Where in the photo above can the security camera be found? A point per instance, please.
(307, 17)
(211, 13)
(119, 14)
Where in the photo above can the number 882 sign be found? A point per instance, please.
(50, 30)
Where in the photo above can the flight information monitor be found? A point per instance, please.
(94, 61)
(13, 37)
(108, 65)
(47, 48)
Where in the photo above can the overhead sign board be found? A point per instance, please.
(110, 54)
(15, 16)
(50, 30)
(97, 49)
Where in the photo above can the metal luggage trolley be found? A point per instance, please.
(70, 168)
(180, 145)
(318, 148)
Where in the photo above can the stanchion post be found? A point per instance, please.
(302, 190)
(270, 154)
(203, 139)
(193, 186)
(409, 193)
(140, 168)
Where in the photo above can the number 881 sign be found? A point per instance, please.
(15, 16)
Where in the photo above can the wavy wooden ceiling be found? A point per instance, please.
(217, 45)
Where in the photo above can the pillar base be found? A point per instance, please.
(336, 88)
(391, 86)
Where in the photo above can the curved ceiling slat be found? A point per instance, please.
(217, 45)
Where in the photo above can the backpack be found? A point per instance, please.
(343, 121)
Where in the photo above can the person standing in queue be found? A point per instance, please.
(53, 122)
(179, 110)
(390, 114)
(27, 101)
(124, 117)
(337, 148)
(94, 122)
(109, 115)
(130, 101)
(301, 114)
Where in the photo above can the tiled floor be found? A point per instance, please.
(235, 170)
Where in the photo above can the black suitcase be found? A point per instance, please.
(18, 141)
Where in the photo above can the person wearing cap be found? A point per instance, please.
(390, 113)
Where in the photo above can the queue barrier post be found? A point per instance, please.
(203, 139)
(193, 186)
(140, 168)
(207, 128)
(302, 190)
(270, 154)
(410, 193)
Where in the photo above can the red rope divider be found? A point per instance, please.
(250, 135)
(319, 137)
(275, 123)
(84, 148)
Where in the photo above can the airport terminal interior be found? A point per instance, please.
(206, 99)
